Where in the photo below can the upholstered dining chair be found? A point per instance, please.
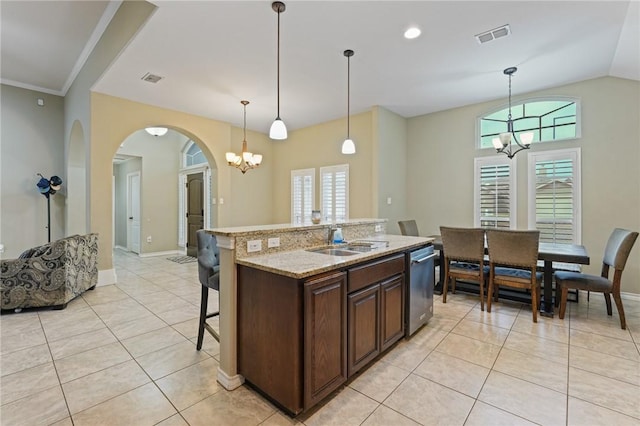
(408, 227)
(513, 259)
(616, 254)
(209, 276)
(463, 250)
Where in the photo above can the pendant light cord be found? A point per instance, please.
(278, 118)
(509, 97)
(348, 95)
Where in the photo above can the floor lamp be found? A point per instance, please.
(48, 187)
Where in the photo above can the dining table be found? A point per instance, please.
(548, 253)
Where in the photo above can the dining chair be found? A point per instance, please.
(408, 227)
(463, 250)
(209, 277)
(616, 254)
(513, 259)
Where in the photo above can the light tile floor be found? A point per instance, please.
(125, 355)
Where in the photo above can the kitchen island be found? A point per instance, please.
(266, 249)
(310, 319)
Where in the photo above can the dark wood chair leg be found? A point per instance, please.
(607, 299)
(618, 300)
(204, 300)
(482, 294)
(535, 299)
(489, 295)
(563, 302)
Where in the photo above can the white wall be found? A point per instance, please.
(441, 150)
(32, 142)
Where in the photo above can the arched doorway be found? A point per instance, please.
(157, 164)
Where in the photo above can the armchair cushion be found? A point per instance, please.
(54, 273)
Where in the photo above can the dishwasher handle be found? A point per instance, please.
(423, 259)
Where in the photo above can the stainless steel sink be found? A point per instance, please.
(343, 250)
(333, 251)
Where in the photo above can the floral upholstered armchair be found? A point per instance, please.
(52, 274)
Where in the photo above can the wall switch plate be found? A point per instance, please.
(389, 201)
(273, 242)
(378, 228)
(149, 239)
(254, 245)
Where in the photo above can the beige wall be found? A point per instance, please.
(318, 146)
(32, 142)
(390, 167)
(114, 119)
(441, 151)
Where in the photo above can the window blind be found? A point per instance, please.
(302, 195)
(495, 192)
(334, 181)
(554, 195)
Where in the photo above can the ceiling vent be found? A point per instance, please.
(151, 78)
(493, 34)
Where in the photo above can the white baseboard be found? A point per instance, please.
(229, 382)
(160, 253)
(121, 248)
(106, 277)
(630, 296)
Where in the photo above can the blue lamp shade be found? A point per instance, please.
(43, 185)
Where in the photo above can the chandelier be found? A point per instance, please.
(246, 160)
(504, 143)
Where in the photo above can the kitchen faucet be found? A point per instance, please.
(332, 231)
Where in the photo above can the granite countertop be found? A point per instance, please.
(262, 229)
(302, 263)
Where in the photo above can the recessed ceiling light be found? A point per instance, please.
(412, 33)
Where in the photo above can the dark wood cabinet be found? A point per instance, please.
(300, 339)
(364, 327)
(376, 309)
(325, 339)
(392, 310)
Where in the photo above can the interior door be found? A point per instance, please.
(195, 210)
(133, 212)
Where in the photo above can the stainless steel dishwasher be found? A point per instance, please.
(420, 295)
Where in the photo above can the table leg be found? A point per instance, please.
(546, 308)
(438, 286)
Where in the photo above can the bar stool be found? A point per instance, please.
(209, 276)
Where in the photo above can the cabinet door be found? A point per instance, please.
(325, 336)
(392, 310)
(364, 327)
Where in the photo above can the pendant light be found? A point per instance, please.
(348, 147)
(278, 129)
(246, 160)
(503, 143)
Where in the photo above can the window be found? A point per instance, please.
(554, 195)
(334, 190)
(495, 192)
(302, 195)
(549, 119)
(193, 156)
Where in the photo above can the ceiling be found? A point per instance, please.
(212, 54)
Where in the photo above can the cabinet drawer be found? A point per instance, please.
(363, 276)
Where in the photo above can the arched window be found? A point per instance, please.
(550, 119)
(192, 155)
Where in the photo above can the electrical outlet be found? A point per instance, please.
(273, 242)
(378, 228)
(254, 245)
(149, 239)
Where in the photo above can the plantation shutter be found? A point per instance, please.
(495, 193)
(556, 196)
(334, 181)
(302, 195)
